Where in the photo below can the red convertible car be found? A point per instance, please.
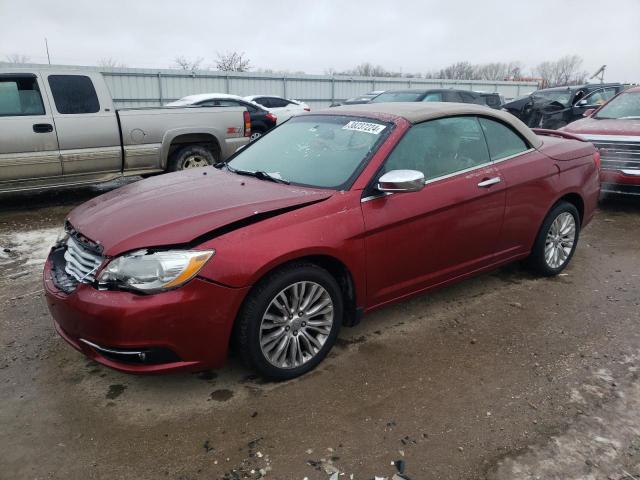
(327, 217)
(614, 129)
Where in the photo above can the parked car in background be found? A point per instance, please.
(553, 108)
(283, 109)
(614, 128)
(262, 120)
(366, 98)
(492, 99)
(330, 216)
(59, 127)
(432, 95)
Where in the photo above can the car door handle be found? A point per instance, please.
(488, 182)
(42, 128)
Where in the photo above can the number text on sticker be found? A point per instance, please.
(366, 127)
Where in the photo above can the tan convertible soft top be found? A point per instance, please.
(416, 112)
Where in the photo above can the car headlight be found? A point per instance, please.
(153, 272)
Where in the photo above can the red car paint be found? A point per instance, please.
(610, 136)
(393, 246)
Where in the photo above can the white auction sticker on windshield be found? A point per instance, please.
(366, 127)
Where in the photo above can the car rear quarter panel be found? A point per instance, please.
(535, 183)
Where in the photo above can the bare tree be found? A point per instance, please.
(187, 64)
(110, 62)
(459, 71)
(367, 69)
(18, 58)
(498, 71)
(564, 71)
(232, 62)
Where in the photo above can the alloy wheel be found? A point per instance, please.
(296, 324)
(560, 240)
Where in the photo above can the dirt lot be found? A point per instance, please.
(505, 376)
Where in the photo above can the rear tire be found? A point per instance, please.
(556, 241)
(255, 135)
(280, 315)
(191, 156)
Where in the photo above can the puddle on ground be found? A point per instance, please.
(221, 395)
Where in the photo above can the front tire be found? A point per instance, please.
(191, 156)
(556, 241)
(290, 321)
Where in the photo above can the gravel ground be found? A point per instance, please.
(505, 376)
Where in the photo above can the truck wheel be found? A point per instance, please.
(289, 321)
(556, 241)
(191, 156)
(255, 134)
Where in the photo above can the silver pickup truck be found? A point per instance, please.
(59, 127)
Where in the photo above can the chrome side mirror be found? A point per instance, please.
(401, 181)
(581, 103)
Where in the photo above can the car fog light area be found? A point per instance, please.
(153, 272)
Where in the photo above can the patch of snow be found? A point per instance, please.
(29, 248)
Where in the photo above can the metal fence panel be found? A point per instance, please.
(132, 87)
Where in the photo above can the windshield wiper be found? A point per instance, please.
(259, 174)
(263, 176)
(226, 165)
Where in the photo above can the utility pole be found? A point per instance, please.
(599, 74)
(46, 44)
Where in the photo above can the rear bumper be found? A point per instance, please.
(183, 329)
(617, 181)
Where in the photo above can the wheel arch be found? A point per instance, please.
(336, 268)
(177, 139)
(576, 200)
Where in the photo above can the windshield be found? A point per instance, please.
(316, 150)
(563, 96)
(398, 97)
(626, 105)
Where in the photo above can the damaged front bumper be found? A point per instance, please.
(183, 329)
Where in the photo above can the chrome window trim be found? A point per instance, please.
(453, 174)
(529, 150)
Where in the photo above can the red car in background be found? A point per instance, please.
(331, 215)
(614, 129)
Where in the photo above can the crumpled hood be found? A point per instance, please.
(176, 208)
(593, 126)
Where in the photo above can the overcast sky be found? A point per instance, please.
(312, 36)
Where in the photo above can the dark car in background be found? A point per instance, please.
(262, 120)
(361, 99)
(556, 107)
(437, 95)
